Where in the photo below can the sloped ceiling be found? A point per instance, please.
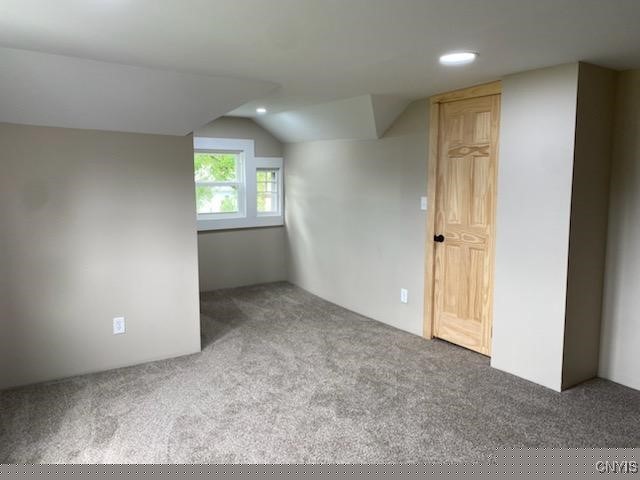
(53, 90)
(316, 51)
(362, 117)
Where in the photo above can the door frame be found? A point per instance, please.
(483, 90)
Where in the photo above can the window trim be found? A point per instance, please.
(248, 216)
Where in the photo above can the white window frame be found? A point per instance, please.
(239, 182)
(247, 215)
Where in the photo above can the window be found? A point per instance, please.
(218, 185)
(267, 191)
(235, 189)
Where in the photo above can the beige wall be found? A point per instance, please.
(94, 225)
(354, 225)
(553, 189)
(236, 127)
(231, 258)
(588, 234)
(81, 241)
(619, 359)
(535, 173)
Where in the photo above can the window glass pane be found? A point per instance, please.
(267, 190)
(216, 167)
(267, 203)
(216, 199)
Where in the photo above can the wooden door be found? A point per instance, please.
(465, 221)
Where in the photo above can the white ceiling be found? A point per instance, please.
(324, 50)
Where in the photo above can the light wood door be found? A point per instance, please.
(465, 217)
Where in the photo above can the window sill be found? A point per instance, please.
(237, 223)
(242, 229)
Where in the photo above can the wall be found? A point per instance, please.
(588, 234)
(619, 359)
(94, 225)
(266, 145)
(355, 229)
(533, 214)
(232, 258)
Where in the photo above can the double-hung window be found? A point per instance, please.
(234, 188)
(219, 183)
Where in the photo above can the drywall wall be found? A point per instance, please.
(362, 117)
(588, 234)
(619, 359)
(535, 172)
(355, 230)
(344, 118)
(266, 145)
(94, 225)
(231, 258)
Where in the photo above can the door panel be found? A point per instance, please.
(465, 215)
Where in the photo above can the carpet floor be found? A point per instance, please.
(286, 377)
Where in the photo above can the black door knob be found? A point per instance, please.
(438, 238)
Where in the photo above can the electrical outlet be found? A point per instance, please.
(423, 203)
(118, 325)
(404, 295)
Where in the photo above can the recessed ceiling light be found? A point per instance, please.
(458, 58)
(261, 110)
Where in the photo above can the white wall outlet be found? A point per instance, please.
(118, 325)
(404, 295)
(423, 203)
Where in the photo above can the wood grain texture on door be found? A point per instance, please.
(465, 216)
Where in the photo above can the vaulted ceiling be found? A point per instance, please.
(60, 91)
(319, 51)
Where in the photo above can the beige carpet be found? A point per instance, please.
(287, 377)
